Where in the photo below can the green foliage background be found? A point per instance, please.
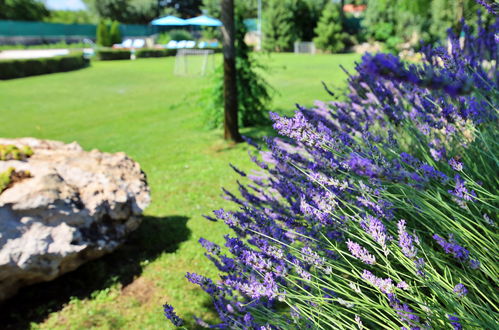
(25, 10)
(330, 31)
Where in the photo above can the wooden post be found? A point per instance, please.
(231, 129)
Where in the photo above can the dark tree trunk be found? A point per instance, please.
(231, 129)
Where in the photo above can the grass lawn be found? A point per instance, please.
(141, 108)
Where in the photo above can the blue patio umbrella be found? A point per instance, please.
(169, 21)
(203, 20)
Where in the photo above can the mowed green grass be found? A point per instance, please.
(139, 107)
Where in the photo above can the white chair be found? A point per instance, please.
(127, 43)
(190, 44)
(172, 44)
(181, 44)
(138, 43)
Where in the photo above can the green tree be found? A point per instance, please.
(103, 37)
(308, 17)
(24, 10)
(330, 35)
(71, 17)
(143, 11)
(279, 28)
(248, 8)
(409, 20)
(447, 14)
(115, 33)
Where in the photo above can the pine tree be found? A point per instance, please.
(115, 33)
(330, 35)
(103, 38)
(280, 30)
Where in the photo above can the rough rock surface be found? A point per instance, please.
(76, 206)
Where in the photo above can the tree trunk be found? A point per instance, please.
(231, 129)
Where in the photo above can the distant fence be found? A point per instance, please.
(54, 30)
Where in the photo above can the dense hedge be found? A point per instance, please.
(113, 54)
(148, 52)
(18, 68)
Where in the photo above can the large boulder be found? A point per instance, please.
(73, 206)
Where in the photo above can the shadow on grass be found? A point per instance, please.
(156, 235)
(257, 133)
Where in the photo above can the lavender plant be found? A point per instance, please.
(378, 212)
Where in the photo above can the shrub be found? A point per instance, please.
(115, 33)
(180, 35)
(10, 69)
(330, 35)
(103, 38)
(163, 38)
(108, 54)
(146, 52)
(376, 212)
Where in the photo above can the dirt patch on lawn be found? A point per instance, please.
(140, 289)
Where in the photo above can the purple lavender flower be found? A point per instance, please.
(403, 285)
(474, 264)
(385, 285)
(309, 184)
(405, 241)
(461, 193)
(491, 7)
(456, 250)
(456, 165)
(362, 166)
(248, 319)
(420, 264)
(172, 316)
(312, 257)
(209, 246)
(361, 253)
(404, 311)
(454, 320)
(460, 290)
(377, 230)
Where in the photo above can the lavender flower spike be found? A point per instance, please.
(405, 241)
(385, 285)
(361, 253)
(172, 316)
(460, 290)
